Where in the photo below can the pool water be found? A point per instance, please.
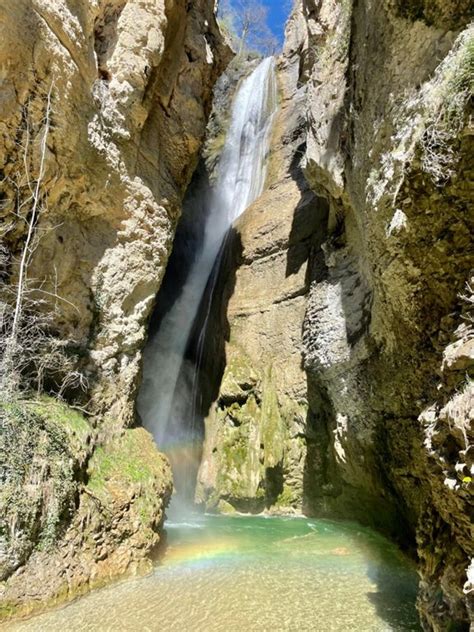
(245, 573)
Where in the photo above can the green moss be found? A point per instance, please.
(131, 459)
(43, 444)
(145, 510)
(235, 453)
(8, 610)
(130, 471)
(226, 508)
(273, 428)
(240, 468)
(287, 498)
(60, 415)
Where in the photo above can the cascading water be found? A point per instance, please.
(165, 407)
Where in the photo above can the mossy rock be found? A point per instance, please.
(65, 419)
(240, 468)
(287, 499)
(79, 513)
(130, 470)
(43, 445)
(224, 507)
(239, 380)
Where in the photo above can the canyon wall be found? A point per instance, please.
(342, 327)
(347, 387)
(104, 108)
(387, 335)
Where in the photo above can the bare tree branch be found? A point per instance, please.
(28, 345)
(247, 22)
(32, 221)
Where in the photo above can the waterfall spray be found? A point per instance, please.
(165, 409)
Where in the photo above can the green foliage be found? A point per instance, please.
(42, 443)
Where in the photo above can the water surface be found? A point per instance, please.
(255, 573)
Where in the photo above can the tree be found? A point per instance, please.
(27, 309)
(247, 22)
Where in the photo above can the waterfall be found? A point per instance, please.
(163, 407)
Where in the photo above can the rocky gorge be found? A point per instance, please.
(338, 368)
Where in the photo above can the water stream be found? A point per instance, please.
(165, 409)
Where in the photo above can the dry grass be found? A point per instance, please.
(446, 98)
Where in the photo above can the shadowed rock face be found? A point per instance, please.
(131, 85)
(362, 243)
(386, 313)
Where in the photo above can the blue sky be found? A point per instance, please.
(278, 12)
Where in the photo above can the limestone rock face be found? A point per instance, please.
(387, 336)
(130, 90)
(129, 85)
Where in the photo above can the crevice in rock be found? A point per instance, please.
(105, 34)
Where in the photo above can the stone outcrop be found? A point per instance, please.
(74, 515)
(375, 111)
(113, 97)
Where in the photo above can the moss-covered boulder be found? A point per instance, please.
(253, 453)
(75, 512)
(130, 478)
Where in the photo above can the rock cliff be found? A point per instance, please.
(387, 334)
(104, 107)
(342, 329)
(359, 257)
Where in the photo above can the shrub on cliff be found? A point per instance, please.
(447, 98)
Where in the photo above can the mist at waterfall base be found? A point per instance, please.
(167, 399)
